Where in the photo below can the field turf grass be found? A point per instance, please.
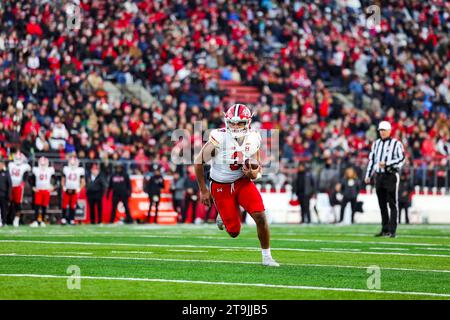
(202, 262)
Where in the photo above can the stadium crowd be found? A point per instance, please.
(53, 99)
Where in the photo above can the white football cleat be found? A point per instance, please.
(219, 222)
(34, 224)
(16, 222)
(1, 223)
(270, 262)
(42, 224)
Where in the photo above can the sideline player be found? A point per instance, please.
(43, 187)
(232, 184)
(17, 170)
(72, 182)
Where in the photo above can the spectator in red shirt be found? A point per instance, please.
(31, 126)
(33, 28)
(428, 147)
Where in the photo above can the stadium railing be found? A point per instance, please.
(424, 179)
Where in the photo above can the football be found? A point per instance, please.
(251, 163)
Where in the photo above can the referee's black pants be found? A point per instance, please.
(387, 192)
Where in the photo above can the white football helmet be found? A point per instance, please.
(43, 162)
(238, 113)
(73, 161)
(18, 157)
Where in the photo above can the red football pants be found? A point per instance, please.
(69, 199)
(229, 196)
(42, 198)
(17, 194)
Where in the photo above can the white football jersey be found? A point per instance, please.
(73, 177)
(226, 166)
(17, 172)
(43, 177)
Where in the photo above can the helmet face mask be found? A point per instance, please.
(238, 129)
(237, 120)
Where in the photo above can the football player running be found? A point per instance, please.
(231, 180)
(43, 187)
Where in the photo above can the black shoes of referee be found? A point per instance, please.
(386, 234)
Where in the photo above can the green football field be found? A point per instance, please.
(202, 262)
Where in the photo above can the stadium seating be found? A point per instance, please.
(120, 85)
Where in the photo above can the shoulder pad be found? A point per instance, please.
(255, 137)
(216, 136)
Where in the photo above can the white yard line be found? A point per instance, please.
(399, 235)
(338, 249)
(210, 261)
(80, 253)
(370, 235)
(263, 285)
(363, 242)
(138, 252)
(379, 248)
(222, 247)
(187, 250)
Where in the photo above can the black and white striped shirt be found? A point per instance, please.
(390, 151)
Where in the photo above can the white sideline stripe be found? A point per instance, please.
(212, 261)
(140, 252)
(264, 285)
(379, 248)
(356, 234)
(436, 249)
(364, 242)
(80, 253)
(182, 236)
(187, 250)
(222, 247)
(400, 235)
(338, 249)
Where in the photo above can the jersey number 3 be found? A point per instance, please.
(238, 162)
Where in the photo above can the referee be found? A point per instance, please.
(386, 159)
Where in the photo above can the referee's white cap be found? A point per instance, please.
(384, 125)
